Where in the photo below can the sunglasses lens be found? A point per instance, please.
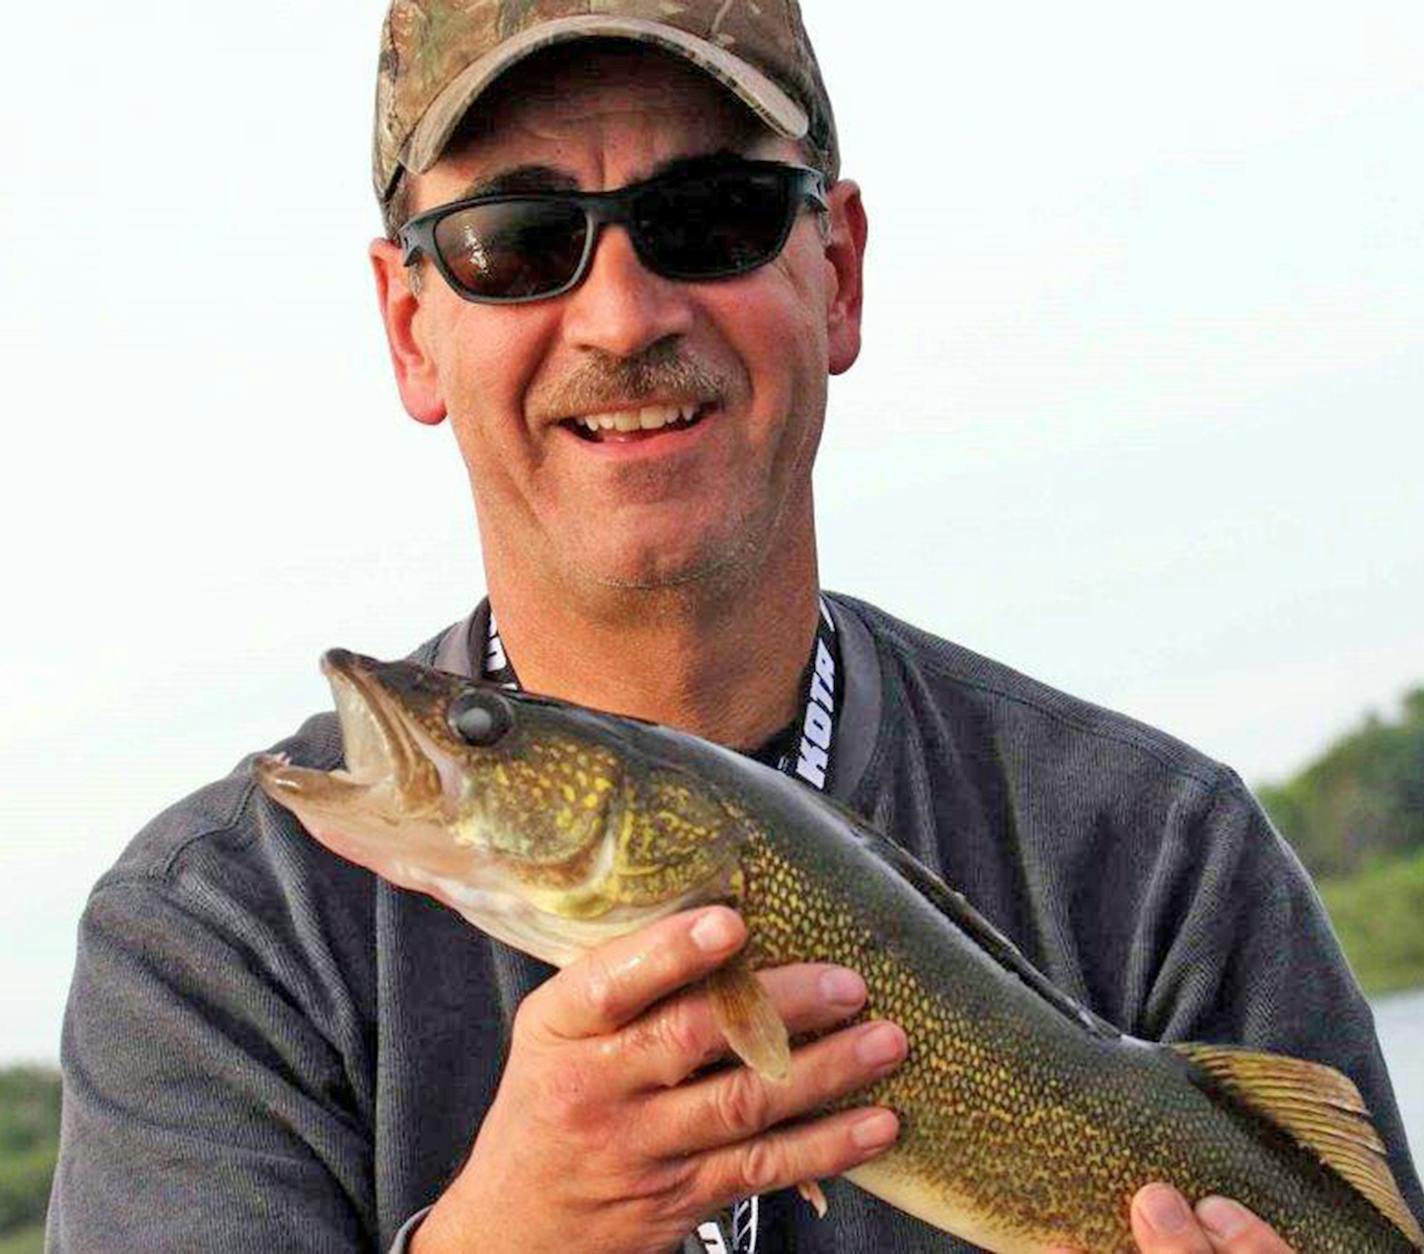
(514, 249)
(714, 227)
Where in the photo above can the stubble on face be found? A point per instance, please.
(603, 381)
(689, 528)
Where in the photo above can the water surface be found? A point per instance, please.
(1399, 1019)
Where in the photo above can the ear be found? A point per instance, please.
(845, 253)
(416, 376)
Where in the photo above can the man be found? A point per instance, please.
(269, 1049)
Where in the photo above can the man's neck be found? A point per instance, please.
(727, 668)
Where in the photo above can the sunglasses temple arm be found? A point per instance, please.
(411, 250)
(815, 192)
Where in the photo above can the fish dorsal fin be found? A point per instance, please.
(955, 907)
(1320, 1108)
(748, 1019)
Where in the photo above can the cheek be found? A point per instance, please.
(468, 360)
(783, 340)
(486, 357)
(802, 284)
(794, 353)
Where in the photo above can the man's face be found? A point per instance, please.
(748, 356)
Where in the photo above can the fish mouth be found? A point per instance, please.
(379, 746)
(385, 770)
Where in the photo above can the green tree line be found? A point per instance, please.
(29, 1144)
(1360, 802)
(1355, 815)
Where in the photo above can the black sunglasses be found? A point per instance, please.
(692, 224)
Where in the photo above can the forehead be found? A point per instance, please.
(587, 103)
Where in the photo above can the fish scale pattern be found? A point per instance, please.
(1010, 1110)
(673, 835)
(546, 804)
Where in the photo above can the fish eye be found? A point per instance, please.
(480, 718)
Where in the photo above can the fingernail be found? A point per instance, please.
(842, 988)
(879, 1045)
(1165, 1209)
(876, 1130)
(1222, 1217)
(716, 930)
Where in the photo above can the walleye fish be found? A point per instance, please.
(1026, 1120)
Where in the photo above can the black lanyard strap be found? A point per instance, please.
(811, 757)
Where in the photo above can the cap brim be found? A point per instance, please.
(759, 92)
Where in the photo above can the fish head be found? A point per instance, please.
(540, 822)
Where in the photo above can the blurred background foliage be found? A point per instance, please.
(1360, 802)
(1355, 816)
(29, 1142)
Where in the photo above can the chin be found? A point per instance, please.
(714, 563)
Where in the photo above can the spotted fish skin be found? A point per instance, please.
(1022, 1128)
(1027, 1122)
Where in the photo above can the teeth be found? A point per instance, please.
(648, 418)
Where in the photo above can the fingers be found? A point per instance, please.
(737, 1104)
(666, 1045)
(1232, 1229)
(614, 983)
(810, 1151)
(1163, 1223)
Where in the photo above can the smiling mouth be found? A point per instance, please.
(643, 423)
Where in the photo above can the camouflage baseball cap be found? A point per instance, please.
(437, 56)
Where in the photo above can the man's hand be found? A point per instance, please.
(1163, 1223)
(598, 1140)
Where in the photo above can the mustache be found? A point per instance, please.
(606, 381)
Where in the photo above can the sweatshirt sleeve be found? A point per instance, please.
(204, 1105)
(1245, 954)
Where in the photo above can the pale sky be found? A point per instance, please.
(1138, 413)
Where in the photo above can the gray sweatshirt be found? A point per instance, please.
(267, 1048)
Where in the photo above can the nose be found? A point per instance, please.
(621, 307)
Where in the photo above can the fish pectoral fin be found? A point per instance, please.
(742, 1009)
(1321, 1108)
(811, 1190)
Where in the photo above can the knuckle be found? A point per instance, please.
(600, 989)
(742, 1103)
(760, 1166)
(568, 1092)
(666, 1041)
(669, 1191)
(637, 1040)
(677, 1034)
(528, 1016)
